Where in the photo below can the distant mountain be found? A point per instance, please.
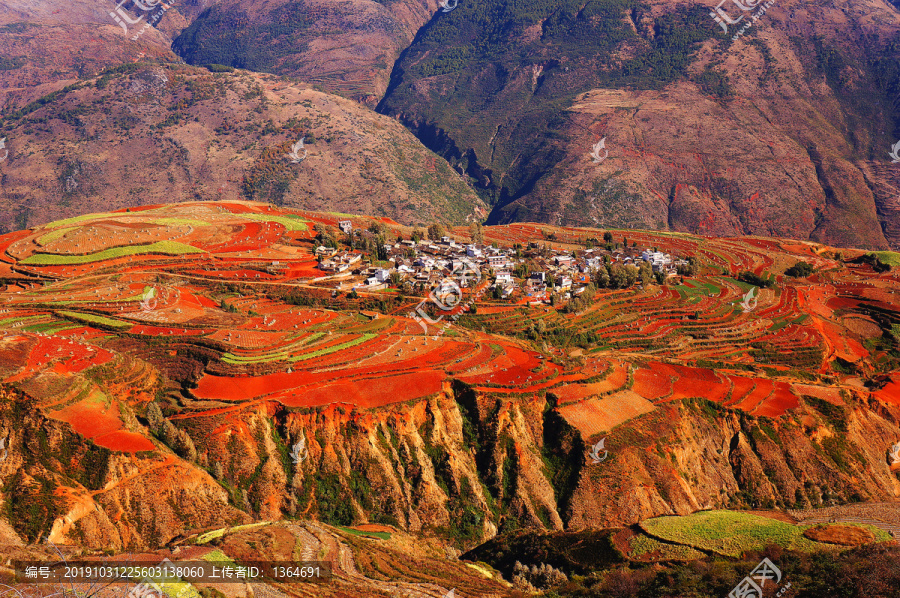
(144, 134)
(348, 48)
(46, 45)
(784, 131)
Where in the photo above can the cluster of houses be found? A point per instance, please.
(429, 262)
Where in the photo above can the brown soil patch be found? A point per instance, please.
(779, 515)
(864, 327)
(621, 539)
(843, 535)
(595, 416)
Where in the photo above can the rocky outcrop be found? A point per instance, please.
(462, 464)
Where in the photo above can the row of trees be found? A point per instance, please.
(435, 232)
(618, 276)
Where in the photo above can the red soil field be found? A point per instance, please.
(71, 357)
(304, 270)
(651, 384)
(741, 387)
(90, 418)
(367, 393)
(576, 392)
(891, 391)
(124, 441)
(9, 239)
(762, 390)
(832, 395)
(166, 331)
(781, 400)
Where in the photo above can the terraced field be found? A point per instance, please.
(176, 307)
(693, 338)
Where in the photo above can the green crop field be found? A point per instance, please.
(164, 247)
(731, 533)
(356, 532)
(92, 319)
(53, 236)
(334, 348)
(289, 223)
(178, 221)
(891, 258)
(642, 545)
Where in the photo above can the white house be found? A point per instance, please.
(346, 226)
(503, 279)
(498, 261)
(592, 264)
(382, 275)
(473, 251)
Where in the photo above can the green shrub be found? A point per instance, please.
(800, 270)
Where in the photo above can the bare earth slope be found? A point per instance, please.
(46, 45)
(348, 48)
(777, 133)
(154, 133)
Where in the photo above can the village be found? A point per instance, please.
(532, 274)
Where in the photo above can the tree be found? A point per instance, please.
(617, 277)
(395, 278)
(631, 275)
(476, 231)
(800, 270)
(760, 281)
(377, 228)
(646, 273)
(417, 235)
(689, 269)
(601, 277)
(435, 231)
(660, 277)
(607, 236)
(379, 249)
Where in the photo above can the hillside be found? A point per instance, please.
(783, 132)
(44, 47)
(146, 133)
(177, 353)
(348, 48)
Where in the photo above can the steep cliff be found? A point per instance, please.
(458, 464)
